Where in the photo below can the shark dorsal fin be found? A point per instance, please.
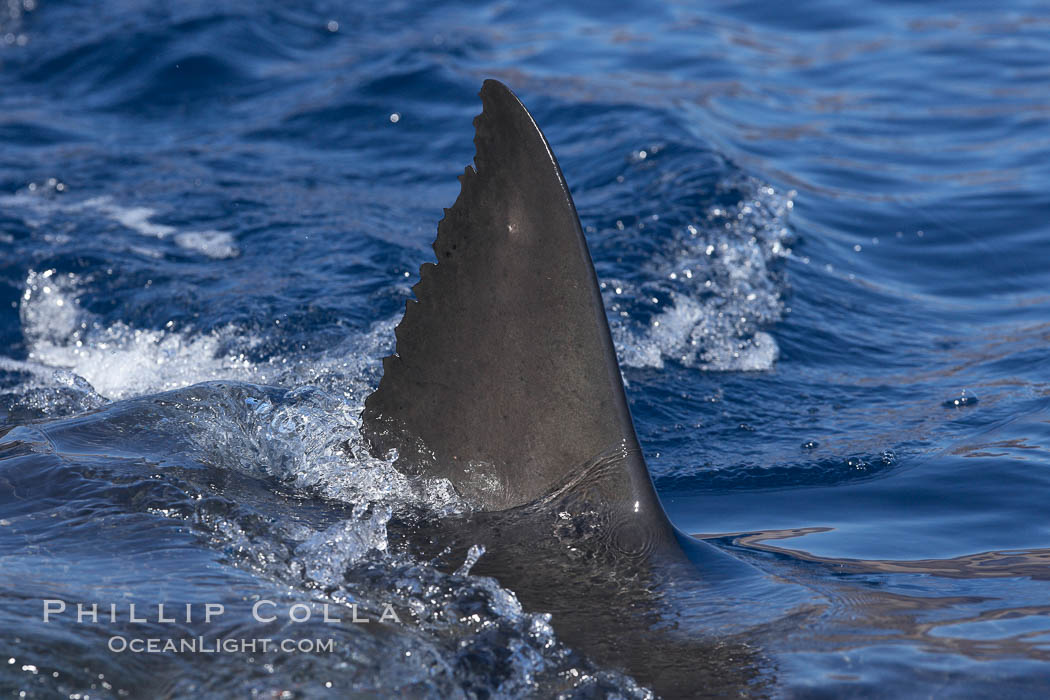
(505, 378)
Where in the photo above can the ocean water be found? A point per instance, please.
(821, 233)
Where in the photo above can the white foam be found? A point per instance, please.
(135, 218)
(118, 361)
(215, 244)
(210, 242)
(720, 289)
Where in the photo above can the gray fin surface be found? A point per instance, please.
(505, 379)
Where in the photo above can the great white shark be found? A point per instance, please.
(505, 382)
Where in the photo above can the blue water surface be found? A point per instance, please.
(821, 231)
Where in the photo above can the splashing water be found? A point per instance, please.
(714, 291)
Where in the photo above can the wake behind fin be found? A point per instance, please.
(505, 379)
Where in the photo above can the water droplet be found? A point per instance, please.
(471, 559)
(964, 399)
